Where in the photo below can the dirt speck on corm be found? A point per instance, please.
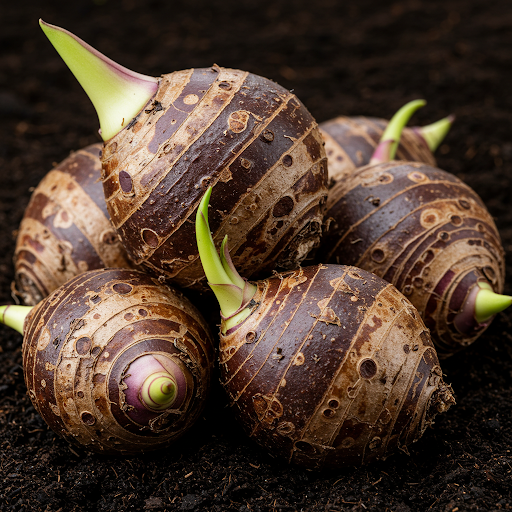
(340, 58)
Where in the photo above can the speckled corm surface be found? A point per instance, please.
(366, 57)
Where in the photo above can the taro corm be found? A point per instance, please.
(115, 361)
(66, 228)
(425, 231)
(351, 141)
(325, 366)
(167, 139)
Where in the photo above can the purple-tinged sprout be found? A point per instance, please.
(433, 134)
(232, 291)
(351, 140)
(158, 391)
(117, 93)
(154, 383)
(488, 303)
(386, 149)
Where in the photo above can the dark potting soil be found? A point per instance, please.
(366, 57)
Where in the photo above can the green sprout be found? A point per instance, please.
(14, 316)
(232, 291)
(159, 391)
(388, 144)
(434, 133)
(117, 93)
(488, 303)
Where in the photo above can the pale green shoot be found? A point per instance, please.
(232, 291)
(435, 133)
(159, 391)
(386, 150)
(117, 93)
(488, 303)
(14, 316)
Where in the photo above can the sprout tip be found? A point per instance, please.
(232, 291)
(117, 93)
(386, 149)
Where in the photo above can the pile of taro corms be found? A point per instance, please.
(344, 263)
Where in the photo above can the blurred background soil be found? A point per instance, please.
(340, 57)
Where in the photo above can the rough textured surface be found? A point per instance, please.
(333, 368)
(367, 58)
(425, 231)
(248, 138)
(66, 228)
(81, 359)
(351, 140)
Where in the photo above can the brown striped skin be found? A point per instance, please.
(66, 228)
(78, 346)
(248, 138)
(351, 141)
(334, 367)
(423, 230)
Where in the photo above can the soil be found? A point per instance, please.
(366, 57)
